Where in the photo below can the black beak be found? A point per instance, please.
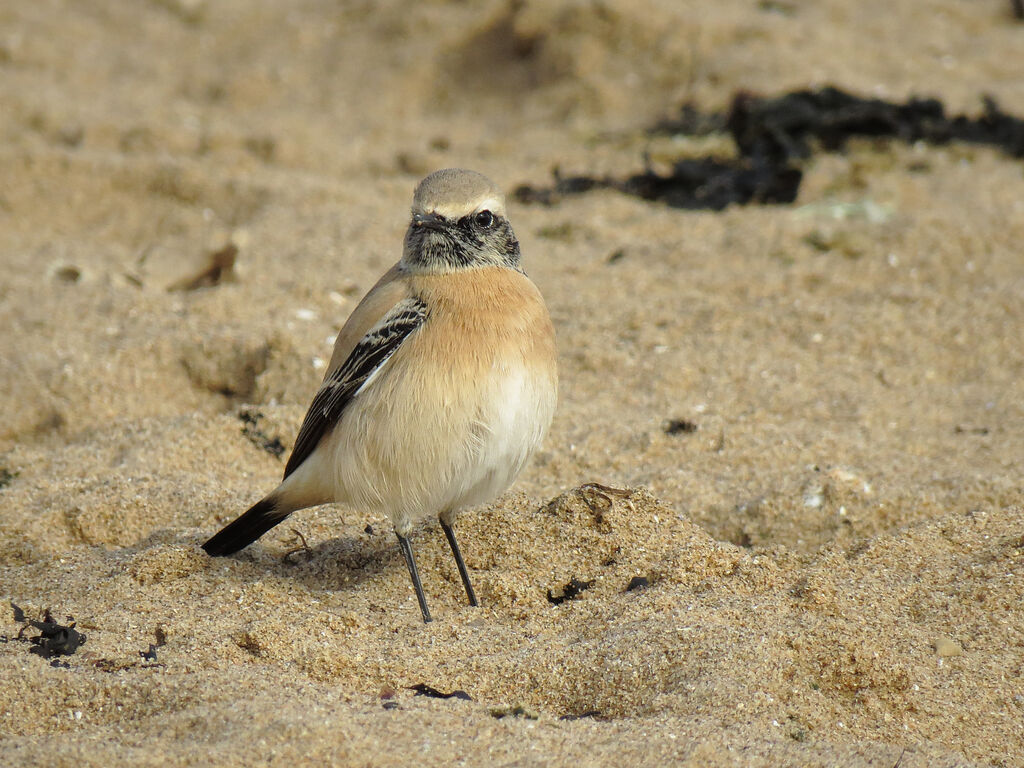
(429, 221)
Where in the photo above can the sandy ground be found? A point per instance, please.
(834, 558)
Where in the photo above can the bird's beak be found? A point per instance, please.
(428, 221)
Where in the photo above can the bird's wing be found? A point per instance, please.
(365, 358)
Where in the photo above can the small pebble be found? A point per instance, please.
(67, 273)
(945, 647)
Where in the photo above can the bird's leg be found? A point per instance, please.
(414, 575)
(449, 534)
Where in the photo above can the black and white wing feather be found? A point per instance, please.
(368, 357)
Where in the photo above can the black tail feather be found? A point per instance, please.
(259, 519)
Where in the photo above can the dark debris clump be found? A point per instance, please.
(783, 128)
(149, 655)
(680, 426)
(250, 419)
(774, 135)
(570, 591)
(638, 582)
(422, 689)
(694, 184)
(54, 639)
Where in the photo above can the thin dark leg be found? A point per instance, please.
(414, 575)
(449, 534)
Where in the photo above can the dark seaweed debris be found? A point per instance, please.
(251, 418)
(693, 184)
(570, 591)
(422, 689)
(680, 426)
(783, 128)
(54, 639)
(638, 582)
(773, 135)
(161, 641)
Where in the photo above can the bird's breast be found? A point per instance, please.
(460, 407)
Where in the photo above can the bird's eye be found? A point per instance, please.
(484, 219)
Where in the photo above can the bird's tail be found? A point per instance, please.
(260, 518)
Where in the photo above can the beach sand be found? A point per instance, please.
(831, 546)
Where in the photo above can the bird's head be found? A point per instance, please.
(458, 222)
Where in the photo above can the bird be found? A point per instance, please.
(442, 384)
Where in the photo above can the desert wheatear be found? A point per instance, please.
(442, 383)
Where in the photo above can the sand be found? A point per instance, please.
(834, 558)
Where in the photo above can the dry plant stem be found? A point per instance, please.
(303, 547)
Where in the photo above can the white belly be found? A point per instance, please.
(509, 430)
(442, 452)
